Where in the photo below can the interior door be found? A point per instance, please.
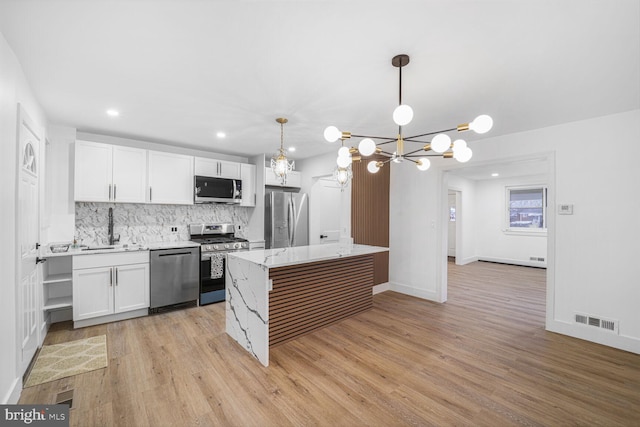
(451, 251)
(29, 287)
(324, 213)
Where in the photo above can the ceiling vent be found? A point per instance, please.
(597, 322)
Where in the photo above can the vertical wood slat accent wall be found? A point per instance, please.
(370, 212)
(311, 296)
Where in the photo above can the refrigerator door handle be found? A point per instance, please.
(294, 214)
(291, 217)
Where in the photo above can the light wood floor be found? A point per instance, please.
(482, 358)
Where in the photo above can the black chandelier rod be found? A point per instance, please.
(431, 133)
(373, 137)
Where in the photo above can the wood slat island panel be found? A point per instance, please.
(309, 297)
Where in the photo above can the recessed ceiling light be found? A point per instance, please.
(292, 149)
(221, 135)
(495, 174)
(113, 113)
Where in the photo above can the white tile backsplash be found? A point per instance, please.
(146, 223)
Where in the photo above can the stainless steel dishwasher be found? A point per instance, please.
(175, 278)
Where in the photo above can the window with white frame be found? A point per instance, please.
(527, 209)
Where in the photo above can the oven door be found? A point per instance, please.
(212, 277)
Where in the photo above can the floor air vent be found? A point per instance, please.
(609, 325)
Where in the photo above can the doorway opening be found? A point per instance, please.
(483, 258)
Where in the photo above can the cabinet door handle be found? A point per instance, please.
(116, 275)
(110, 276)
(109, 191)
(150, 198)
(114, 192)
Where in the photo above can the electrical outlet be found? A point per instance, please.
(174, 229)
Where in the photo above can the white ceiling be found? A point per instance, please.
(181, 70)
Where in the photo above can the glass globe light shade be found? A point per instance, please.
(281, 167)
(440, 143)
(342, 175)
(402, 115)
(463, 155)
(372, 166)
(343, 162)
(459, 144)
(424, 164)
(332, 134)
(367, 147)
(481, 124)
(343, 152)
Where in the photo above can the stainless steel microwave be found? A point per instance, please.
(217, 190)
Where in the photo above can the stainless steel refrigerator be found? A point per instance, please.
(286, 219)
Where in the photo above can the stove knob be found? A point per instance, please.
(226, 246)
(216, 247)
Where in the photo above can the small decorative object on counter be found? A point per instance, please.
(59, 248)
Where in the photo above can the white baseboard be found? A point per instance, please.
(111, 318)
(595, 335)
(465, 261)
(414, 292)
(380, 288)
(13, 394)
(524, 263)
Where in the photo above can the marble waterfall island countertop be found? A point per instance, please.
(282, 257)
(339, 279)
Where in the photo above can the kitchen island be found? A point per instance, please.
(277, 295)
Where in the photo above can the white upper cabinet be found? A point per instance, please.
(294, 179)
(170, 178)
(109, 173)
(217, 168)
(93, 172)
(248, 176)
(129, 174)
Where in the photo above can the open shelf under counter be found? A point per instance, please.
(57, 278)
(58, 303)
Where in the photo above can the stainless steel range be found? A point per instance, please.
(216, 240)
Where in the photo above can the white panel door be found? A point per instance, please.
(29, 285)
(93, 172)
(92, 292)
(324, 211)
(171, 179)
(129, 174)
(131, 287)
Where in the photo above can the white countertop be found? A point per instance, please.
(46, 252)
(303, 254)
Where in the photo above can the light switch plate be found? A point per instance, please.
(565, 209)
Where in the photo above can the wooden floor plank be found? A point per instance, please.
(482, 358)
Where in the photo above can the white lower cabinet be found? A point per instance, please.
(108, 287)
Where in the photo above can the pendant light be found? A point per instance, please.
(280, 165)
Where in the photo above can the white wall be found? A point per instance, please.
(493, 243)
(14, 89)
(592, 255)
(60, 223)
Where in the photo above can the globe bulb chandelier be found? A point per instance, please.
(439, 145)
(279, 163)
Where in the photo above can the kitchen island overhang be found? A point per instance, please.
(276, 295)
